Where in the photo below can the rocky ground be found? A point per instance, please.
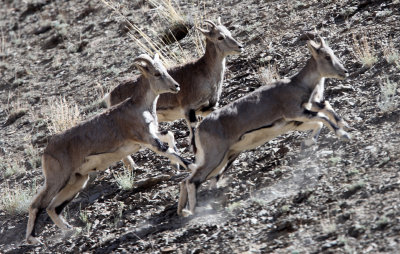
(336, 197)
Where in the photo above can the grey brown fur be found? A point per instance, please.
(261, 116)
(200, 81)
(97, 143)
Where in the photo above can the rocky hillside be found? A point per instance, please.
(335, 197)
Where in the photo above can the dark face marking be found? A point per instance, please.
(262, 127)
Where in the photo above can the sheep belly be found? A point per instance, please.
(100, 162)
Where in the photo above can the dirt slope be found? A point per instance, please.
(335, 197)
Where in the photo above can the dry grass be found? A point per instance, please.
(390, 53)
(125, 180)
(151, 42)
(3, 47)
(16, 200)
(14, 109)
(388, 100)
(63, 115)
(363, 52)
(268, 74)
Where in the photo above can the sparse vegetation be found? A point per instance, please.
(10, 168)
(233, 206)
(363, 52)
(389, 100)
(152, 44)
(268, 74)
(15, 200)
(14, 109)
(84, 216)
(390, 53)
(125, 180)
(356, 194)
(63, 114)
(13, 169)
(328, 226)
(32, 155)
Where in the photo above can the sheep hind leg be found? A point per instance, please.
(64, 196)
(51, 169)
(183, 197)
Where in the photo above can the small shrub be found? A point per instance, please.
(328, 227)
(363, 52)
(388, 100)
(234, 206)
(32, 153)
(63, 115)
(125, 179)
(83, 215)
(390, 53)
(169, 18)
(268, 74)
(10, 168)
(16, 200)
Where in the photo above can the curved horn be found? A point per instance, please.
(322, 41)
(219, 21)
(204, 31)
(213, 25)
(145, 58)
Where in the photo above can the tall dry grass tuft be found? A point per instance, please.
(125, 180)
(268, 74)
(170, 19)
(388, 100)
(391, 54)
(16, 200)
(363, 52)
(63, 115)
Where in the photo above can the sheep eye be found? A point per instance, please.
(220, 38)
(328, 58)
(157, 74)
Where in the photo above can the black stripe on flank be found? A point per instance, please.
(263, 127)
(208, 108)
(310, 113)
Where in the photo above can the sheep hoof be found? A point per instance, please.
(33, 240)
(186, 213)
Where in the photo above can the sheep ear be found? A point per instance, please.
(313, 47)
